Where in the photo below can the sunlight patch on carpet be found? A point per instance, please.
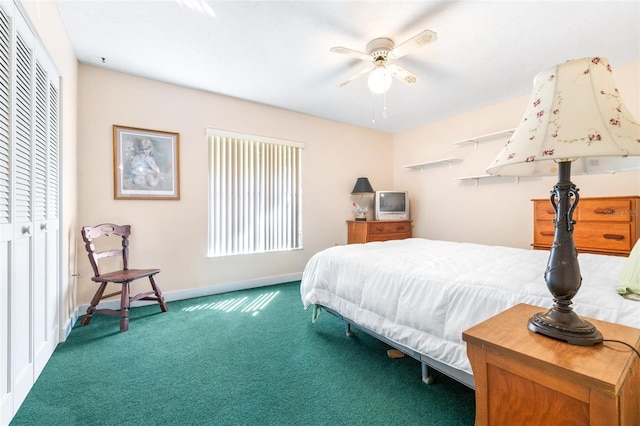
(251, 305)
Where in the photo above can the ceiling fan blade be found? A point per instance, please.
(425, 37)
(350, 52)
(358, 74)
(407, 77)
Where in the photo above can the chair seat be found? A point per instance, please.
(125, 276)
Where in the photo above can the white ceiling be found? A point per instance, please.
(277, 52)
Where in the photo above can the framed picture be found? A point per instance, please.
(145, 164)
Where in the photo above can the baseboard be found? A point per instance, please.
(192, 293)
(69, 323)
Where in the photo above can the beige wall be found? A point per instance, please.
(45, 18)
(497, 211)
(172, 235)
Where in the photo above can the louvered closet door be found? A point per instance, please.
(23, 212)
(6, 227)
(29, 234)
(45, 211)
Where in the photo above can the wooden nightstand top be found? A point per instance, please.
(603, 367)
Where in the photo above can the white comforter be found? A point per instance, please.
(423, 294)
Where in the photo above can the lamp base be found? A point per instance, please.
(566, 326)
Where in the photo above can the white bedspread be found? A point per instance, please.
(423, 294)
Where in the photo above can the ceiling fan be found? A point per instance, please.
(379, 52)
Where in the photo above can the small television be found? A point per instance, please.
(392, 205)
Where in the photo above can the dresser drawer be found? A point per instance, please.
(604, 210)
(612, 210)
(387, 237)
(590, 236)
(543, 211)
(603, 236)
(543, 233)
(378, 228)
(360, 232)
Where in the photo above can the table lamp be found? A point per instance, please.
(575, 118)
(362, 186)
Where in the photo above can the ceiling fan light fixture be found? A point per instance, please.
(379, 80)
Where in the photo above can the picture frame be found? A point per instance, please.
(146, 164)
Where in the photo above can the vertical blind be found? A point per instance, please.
(255, 194)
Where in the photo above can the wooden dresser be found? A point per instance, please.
(377, 230)
(524, 378)
(604, 225)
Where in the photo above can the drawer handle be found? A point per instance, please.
(546, 233)
(379, 228)
(617, 237)
(400, 228)
(607, 211)
(551, 211)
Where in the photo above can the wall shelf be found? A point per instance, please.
(475, 140)
(478, 177)
(474, 178)
(421, 166)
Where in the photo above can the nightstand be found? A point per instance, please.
(524, 378)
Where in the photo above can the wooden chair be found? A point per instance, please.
(122, 277)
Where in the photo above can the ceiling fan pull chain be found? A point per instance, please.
(384, 105)
(373, 108)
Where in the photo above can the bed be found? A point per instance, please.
(419, 295)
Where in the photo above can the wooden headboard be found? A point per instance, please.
(605, 225)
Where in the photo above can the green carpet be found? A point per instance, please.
(246, 357)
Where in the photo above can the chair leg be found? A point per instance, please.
(124, 307)
(94, 302)
(158, 292)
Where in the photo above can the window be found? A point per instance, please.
(255, 194)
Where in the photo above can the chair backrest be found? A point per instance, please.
(90, 233)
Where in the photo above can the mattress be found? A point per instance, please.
(422, 294)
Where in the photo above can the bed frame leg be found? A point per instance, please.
(347, 329)
(426, 378)
(315, 314)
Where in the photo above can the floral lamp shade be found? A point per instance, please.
(575, 114)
